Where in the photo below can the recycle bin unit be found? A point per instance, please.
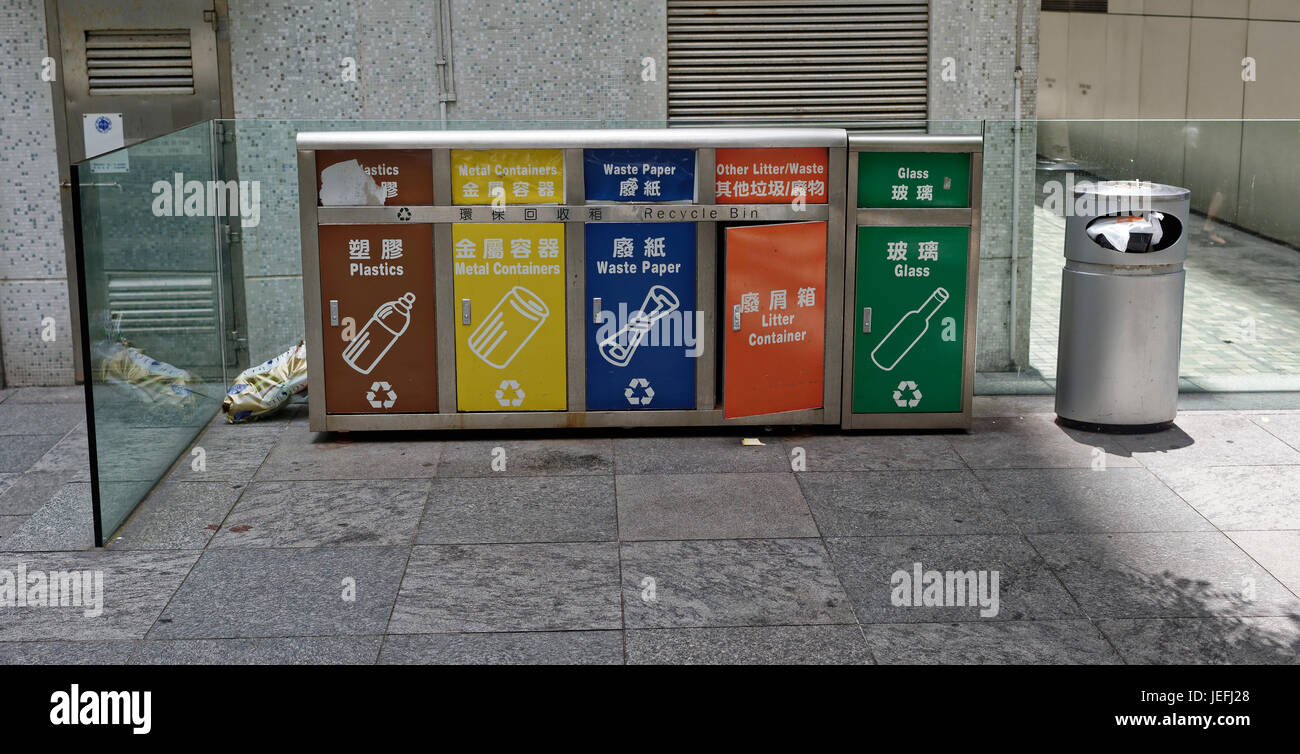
(1122, 306)
(912, 257)
(491, 279)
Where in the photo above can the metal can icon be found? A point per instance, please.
(508, 327)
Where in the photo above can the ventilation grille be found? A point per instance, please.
(828, 62)
(169, 304)
(1077, 6)
(139, 62)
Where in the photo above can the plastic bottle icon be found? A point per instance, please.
(386, 325)
(508, 327)
(907, 332)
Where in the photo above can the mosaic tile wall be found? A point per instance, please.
(542, 59)
(979, 36)
(33, 274)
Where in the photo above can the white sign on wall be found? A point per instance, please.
(102, 133)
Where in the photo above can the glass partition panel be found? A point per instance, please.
(1241, 315)
(152, 276)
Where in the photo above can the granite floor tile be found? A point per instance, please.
(225, 456)
(874, 452)
(178, 516)
(878, 573)
(8, 524)
(65, 652)
(1035, 441)
(711, 506)
(513, 587)
(1012, 405)
(1210, 439)
(1285, 427)
(552, 457)
(273, 424)
(1277, 551)
(1020, 642)
(749, 645)
(753, 582)
(20, 453)
(1206, 641)
(524, 648)
(301, 455)
(520, 509)
(60, 394)
(69, 457)
(142, 454)
(1073, 500)
(341, 513)
(7, 480)
(66, 522)
(134, 589)
(296, 650)
(249, 593)
(1163, 575)
(19, 419)
(695, 454)
(6, 392)
(1239, 497)
(873, 503)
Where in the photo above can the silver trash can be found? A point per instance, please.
(1122, 306)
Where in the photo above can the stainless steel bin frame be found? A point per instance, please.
(912, 217)
(704, 212)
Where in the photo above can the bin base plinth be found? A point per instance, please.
(1117, 429)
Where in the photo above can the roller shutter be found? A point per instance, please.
(822, 61)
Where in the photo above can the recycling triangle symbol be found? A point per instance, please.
(381, 395)
(510, 394)
(903, 401)
(642, 385)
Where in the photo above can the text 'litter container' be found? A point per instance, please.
(1122, 305)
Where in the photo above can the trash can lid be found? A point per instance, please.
(1129, 188)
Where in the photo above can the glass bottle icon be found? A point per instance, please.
(383, 329)
(907, 332)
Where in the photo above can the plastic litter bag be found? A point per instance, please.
(1128, 233)
(262, 390)
(143, 377)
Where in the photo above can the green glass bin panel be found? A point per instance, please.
(913, 179)
(911, 289)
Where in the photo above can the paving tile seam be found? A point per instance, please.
(586, 630)
(1265, 426)
(190, 571)
(406, 565)
(1281, 582)
(622, 590)
(1223, 532)
(1198, 616)
(835, 569)
(1092, 619)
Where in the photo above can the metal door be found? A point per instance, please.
(157, 68)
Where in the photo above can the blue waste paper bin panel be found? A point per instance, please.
(639, 175)
(643, 332)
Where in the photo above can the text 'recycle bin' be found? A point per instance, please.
(1122, 305)
(912, 266)
(491, 279)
